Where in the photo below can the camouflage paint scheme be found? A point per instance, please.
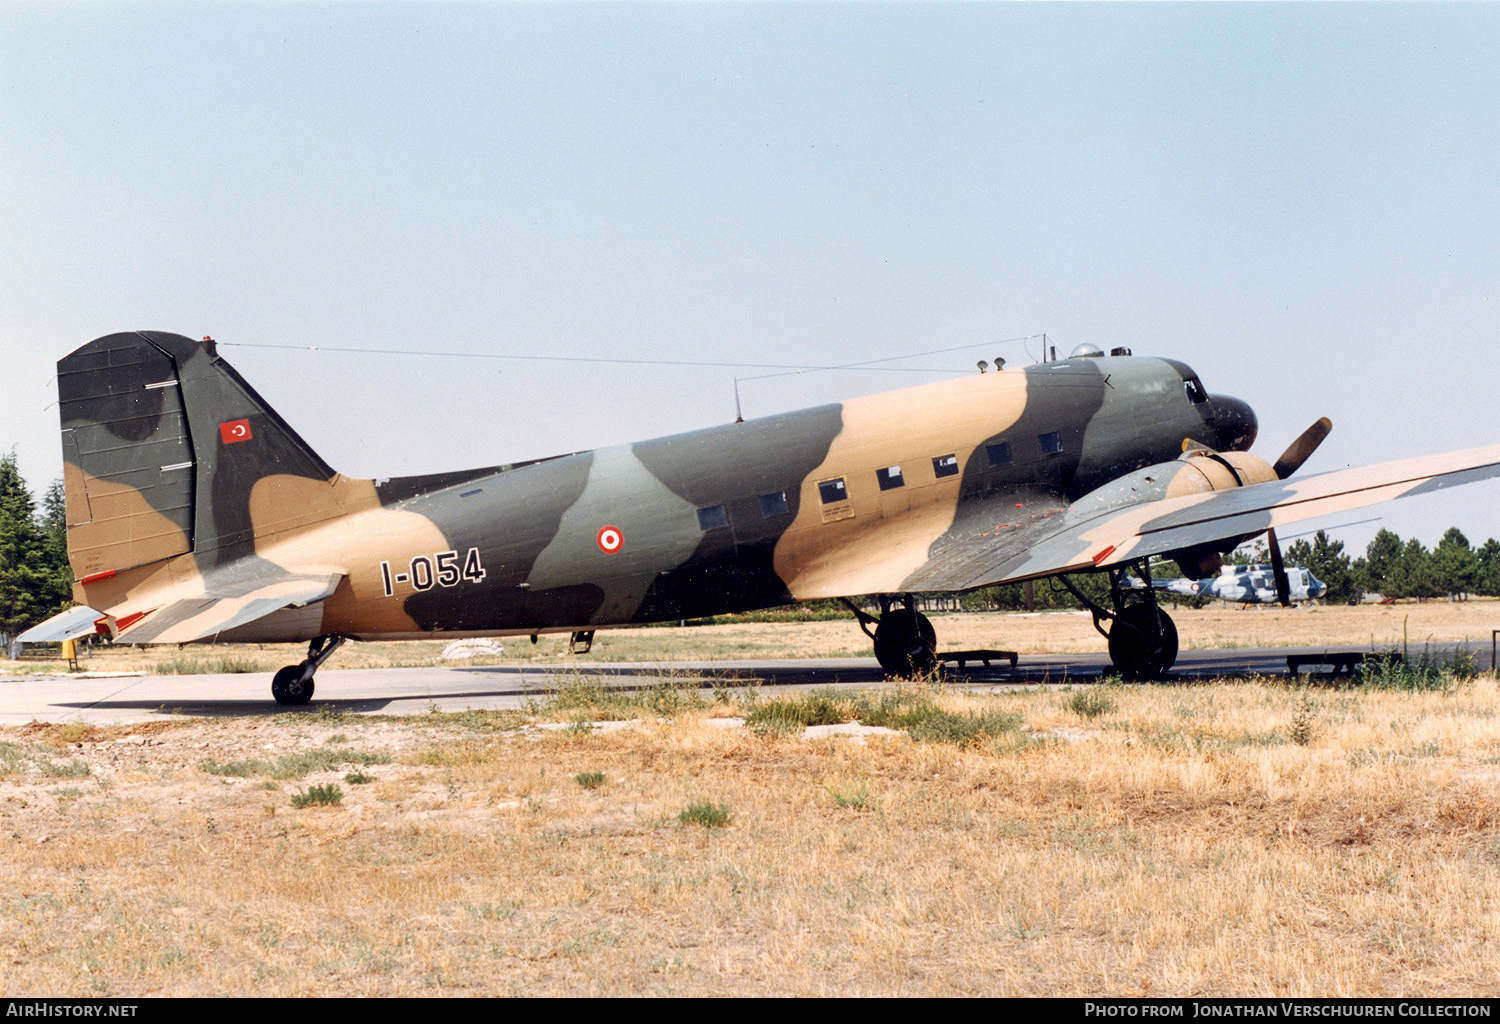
(197, 514)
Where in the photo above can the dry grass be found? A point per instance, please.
(1169, 840)
(1067, 633)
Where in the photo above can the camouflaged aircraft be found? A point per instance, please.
(196, 514)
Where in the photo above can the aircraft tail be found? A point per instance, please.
(164, 445)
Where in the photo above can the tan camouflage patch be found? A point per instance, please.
(281, 503)
(123, 530)
(356, 545)
(880, 537)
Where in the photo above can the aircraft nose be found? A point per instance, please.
(1232, 421)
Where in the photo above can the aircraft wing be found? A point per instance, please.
(1125, 534)
(226, 607)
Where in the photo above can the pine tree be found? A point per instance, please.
(1329, 564)
(1454, 564)
(1411, 575)
(1487, 579)
(1381, 557)
(32, 585)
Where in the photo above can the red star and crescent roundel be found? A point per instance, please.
(234, 430)
(610, 539)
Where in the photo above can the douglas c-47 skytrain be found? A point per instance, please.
(196, 514)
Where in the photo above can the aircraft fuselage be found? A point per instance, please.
(822, 502)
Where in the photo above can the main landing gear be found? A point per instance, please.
(1142, 638)
(905, 642)
(294, 684)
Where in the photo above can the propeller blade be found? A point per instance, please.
(1292, 459)
(1278, 569)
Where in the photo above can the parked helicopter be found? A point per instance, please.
(1245, 584)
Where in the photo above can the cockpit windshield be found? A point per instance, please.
(1196, 393)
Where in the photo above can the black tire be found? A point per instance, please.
(901, 652)
(288, 686)
(1136, 648)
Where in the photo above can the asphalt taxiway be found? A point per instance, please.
(121, 699)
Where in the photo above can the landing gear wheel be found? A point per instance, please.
(905, 644)
(1136, 647)
(288, 686)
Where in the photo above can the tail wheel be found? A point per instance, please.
(288, 686)
(905, 644)
(1139, 649)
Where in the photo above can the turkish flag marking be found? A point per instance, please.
(235, 430)
(610, 539)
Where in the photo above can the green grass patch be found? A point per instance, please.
(295, 766)
(1091, 703)
(589, 780)
(592, 697)
(222, 665)
(705, 813)
(237, 769)
(963, 729)
(1427, 671)
(796, 712)
(74, 769)
(359, 779)
(851, 794)
(327, 795)
(907, 708)
(10, 758)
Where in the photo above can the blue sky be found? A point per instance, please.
(1298, 200)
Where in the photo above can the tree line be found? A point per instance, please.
(1395, 568)
(35, 579)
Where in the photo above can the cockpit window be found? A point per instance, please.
(1195, 391)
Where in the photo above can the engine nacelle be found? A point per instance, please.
(1197, 471)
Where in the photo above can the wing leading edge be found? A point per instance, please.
(1154, 528)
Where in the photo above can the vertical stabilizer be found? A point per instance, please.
(163, 443)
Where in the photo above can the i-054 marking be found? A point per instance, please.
(441, 569)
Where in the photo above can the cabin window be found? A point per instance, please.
(1195, 390)
(1051, 442)
(833, 490)
(714, 518)
(774, 505)
(999, 453)
(945, 465)
(889, 478)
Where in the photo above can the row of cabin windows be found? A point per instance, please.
(889, 478)
(715, 517)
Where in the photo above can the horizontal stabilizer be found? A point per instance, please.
(206, 617)
(68, 625)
